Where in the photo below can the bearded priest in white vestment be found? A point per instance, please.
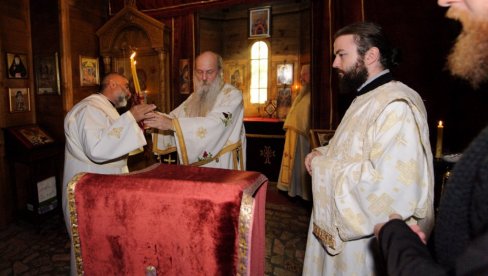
(207, 129)
(378, 162)
(98, 139)
(293, 177)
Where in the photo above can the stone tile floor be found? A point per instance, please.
(26, 249)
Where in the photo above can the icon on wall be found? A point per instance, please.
(185, 78)
(17, 66)
(19, 99)
(259, 22)
(47, 74)
(284, 74)
(89, 71)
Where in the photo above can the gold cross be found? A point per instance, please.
(169, 160)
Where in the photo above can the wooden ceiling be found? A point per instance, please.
(176, 7)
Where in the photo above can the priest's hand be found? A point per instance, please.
(142, 111)
(159, 121)
(308, 160)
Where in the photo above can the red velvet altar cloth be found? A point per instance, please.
(181, 220)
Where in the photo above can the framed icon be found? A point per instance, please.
(89, 71)
(17, 66)
(185, 76)
(47, 74)
(284, 74)
(19, 99)
(259, 22)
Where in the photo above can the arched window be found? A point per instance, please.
(259, 72)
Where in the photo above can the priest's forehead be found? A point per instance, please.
(206, 61)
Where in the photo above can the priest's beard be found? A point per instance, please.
(121, 101)
(353, 78)
(204, 97)
(469, 56)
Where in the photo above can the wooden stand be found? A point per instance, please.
(35, 162)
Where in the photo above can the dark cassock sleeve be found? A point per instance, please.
(474, 260)
(404, 252)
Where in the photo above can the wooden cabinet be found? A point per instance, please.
(34, 159)
(265, 142)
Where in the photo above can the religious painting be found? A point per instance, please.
(259, 22)
(235, 75)
(17, 66)
(31, 135)
(47, 74)
(284, 101)
(184, 79)
(89, 71)
(19, 99)
(284, 74)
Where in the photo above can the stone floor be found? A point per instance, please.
(26, 249)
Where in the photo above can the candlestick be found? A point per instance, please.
(438, 146)
(133, 69)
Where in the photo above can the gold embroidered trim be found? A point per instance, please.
(235, 148)
(116, 131)
(181, 140)
(156, 150)
(324, 236)
(245, 222)
(75, 236)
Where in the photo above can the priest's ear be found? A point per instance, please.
(372, 55)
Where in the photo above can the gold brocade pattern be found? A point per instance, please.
(75, 237)
(324, 236)
(245, 221)
(201, 132)
(380, 205)
(407, 172)
(116, 131)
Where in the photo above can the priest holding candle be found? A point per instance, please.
(98, 139)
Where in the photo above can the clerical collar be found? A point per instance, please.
(383, 77)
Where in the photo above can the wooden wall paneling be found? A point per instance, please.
(45, 42)
(287, 29)
(15, 37)
(85, 18)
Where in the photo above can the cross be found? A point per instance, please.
(169, 160)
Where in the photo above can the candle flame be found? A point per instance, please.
(133, 55)
(440, 124)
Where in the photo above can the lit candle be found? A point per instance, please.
(134, 73)
(438, 146)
